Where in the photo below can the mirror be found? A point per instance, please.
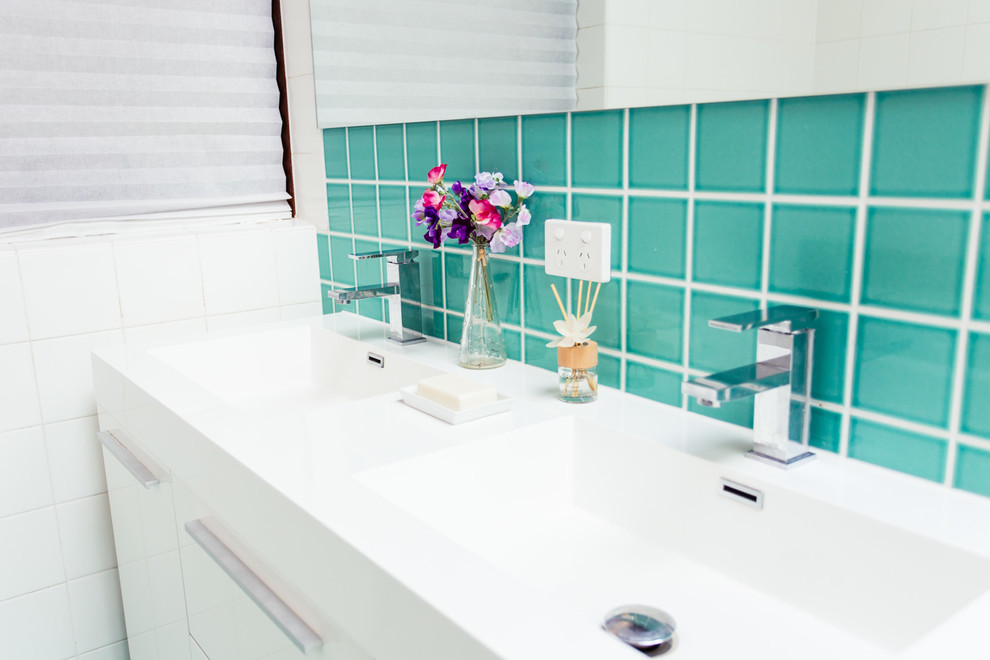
(634, 53)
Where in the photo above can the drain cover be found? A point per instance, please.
(640, 626)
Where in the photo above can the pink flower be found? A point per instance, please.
(523, 189)
(436, 174)
(484, 213)
(524, 216)
(500, 198)
(432, 199)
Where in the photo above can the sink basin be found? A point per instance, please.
(297, 367)
(597, 519)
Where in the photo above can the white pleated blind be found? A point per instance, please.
(122, 108)
(389, 61)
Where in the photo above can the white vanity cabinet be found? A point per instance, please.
(148, 560)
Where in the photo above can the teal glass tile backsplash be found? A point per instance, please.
(865, 206)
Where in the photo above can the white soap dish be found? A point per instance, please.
(450, 415)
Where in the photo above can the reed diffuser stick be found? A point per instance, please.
(580, 289)
(559, 303)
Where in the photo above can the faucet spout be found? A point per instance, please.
(347, 296)
(741, 382)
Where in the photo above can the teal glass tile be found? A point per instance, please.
(513, 343)
(538, 355)
(825, 430)
(417, 232)
(541, 306)
(904, 370)
(924, 142)
(916, 454)
(914, 259)
(544, 149)
(498, 146)
(434, 323)
(973, 470)
(364, 205)
(368, 271)
(819, 144)
(505, 277)
(655, 320)
(455, 326)
(657, 235)
(430, 289)
(395, 220)
(828, 374)
(602, 208)
(412, 316)
(738, 412)
(335, 152)
(659, 140)
(339, 207)
(728, 243)
(457, 150)
(981, 299)
(341, 264)
(976, 412)
(652, 383)
(731, 151)
(811, 251)
(361, 149)
(327, 304)
(605, 316)
(713, 349)
(421, 150)
(323, 255)
(609, 371)
(596, 149)
(542, 206)
(372, 308)
(391, 153)
(457, 270)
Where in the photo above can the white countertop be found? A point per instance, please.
(314, 455)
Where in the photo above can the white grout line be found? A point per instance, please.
(859, 248)
(771, 159)
(689, 245)
(969, 291)
(624, 252)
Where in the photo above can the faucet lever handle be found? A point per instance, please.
(790, 318)
(399, 256)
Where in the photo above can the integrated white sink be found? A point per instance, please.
(597, 519)
(296, 367)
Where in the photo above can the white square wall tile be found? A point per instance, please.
(934, 14)
(297, 38)
(591, 57)
(298, 265)
(29, 542)
(162, 331)
(666, 59)
(978, 12)
(936, 56)
(626, 56)
(116, 651)
(288, 312)
(24, 481)
(70, 289)
(243, 319)
(65, 374)
(590, 12)
(75, 459)
(87, 536)
(305, 135)
(309, 179)
(883, 62)
(159, 280)
(97, 613)
(38, 625)
(836, 66)
(976, 57)
(240, 271)
(885, 17)
(838, 20)
(13, 316)
(18, 389)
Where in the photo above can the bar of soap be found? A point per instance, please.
(455, 392)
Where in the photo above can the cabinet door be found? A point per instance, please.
(147, 546)
(237, 610)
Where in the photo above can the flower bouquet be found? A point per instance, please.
(485, 215)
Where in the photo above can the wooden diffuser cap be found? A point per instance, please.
(579, 356)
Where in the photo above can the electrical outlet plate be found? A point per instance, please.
(580, 250)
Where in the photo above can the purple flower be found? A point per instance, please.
(523, 189)
(509, 236)
(461, 230)
(500, 198)
(485, 180)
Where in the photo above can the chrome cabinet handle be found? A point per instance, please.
(131, 463)
(298, 632)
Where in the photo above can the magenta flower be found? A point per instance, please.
(436, 174)
(485, 213)
(433, 199)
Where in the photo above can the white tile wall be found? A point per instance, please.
(59, 300)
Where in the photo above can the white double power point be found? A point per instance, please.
(580, 250)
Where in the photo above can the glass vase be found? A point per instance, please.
(482, 346)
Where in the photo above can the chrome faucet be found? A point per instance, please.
(780, 381)
(405, 322)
